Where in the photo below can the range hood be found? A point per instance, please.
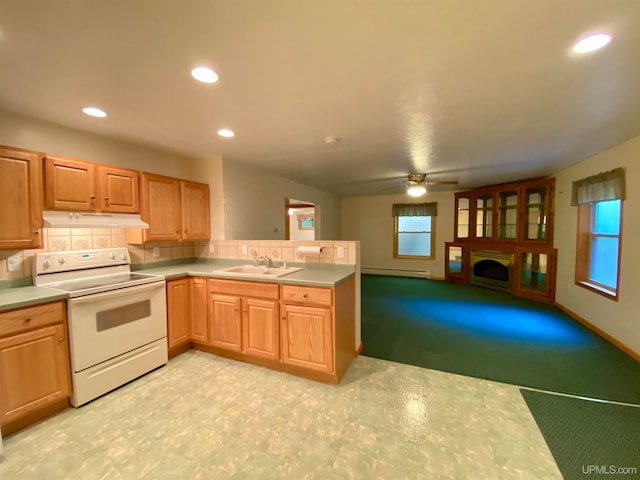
(53, 219)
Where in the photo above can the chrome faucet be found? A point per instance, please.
(267, 260)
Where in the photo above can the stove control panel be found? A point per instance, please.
(51, 262)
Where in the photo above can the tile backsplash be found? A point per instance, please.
(65, 239)
(280, 250)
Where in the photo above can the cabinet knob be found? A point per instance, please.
(177, 231)
(106, 201)
(36, 232)
(236, 309)
(27, 320)
(305, 295)
(244, 309)
(60, 340)
(284, 317)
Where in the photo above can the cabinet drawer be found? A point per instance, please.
(244, 289)
(17, 321)
(321, 296)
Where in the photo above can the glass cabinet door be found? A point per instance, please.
(533, 272)
(463, 211)
(536, 201)
(508, 215)
(484, 216)
(457, 264)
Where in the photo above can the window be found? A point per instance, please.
(598, 252)
(414, 230)
(599, 200)
(414, 237)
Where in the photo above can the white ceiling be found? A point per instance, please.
(479, 91)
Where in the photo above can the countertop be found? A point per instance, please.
(316, 274)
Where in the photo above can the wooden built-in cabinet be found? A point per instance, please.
(34, 364)
(175, 210)
(305, 330)
(514, 219)
(20, 199)
(82, 186)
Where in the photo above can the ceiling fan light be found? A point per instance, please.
(416, 190)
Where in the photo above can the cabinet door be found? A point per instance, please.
(20, 205)
(225, 321)
(537, 213)
(260, 328)
(535, 272)
(69, 184)
(199, 330)
(161, 207)
(119, 192)
(34, 371)
(195, 210)
(307, 337)
(508, 214)
(463, 215)
(178, 312)
(484, 213)
(456, 267)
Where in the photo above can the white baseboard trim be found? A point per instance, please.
(397, 272)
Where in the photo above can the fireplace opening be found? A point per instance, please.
(491, 269)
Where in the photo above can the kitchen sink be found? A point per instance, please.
(259, 271)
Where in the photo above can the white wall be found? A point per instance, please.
(368, 219)
(31, 134)
(294, 232)
(254, 203)
(618, 319)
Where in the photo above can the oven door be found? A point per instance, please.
(105, 325)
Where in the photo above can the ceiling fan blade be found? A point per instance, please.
(449, 182)
(393, 188)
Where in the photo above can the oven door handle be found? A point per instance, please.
(99, 297)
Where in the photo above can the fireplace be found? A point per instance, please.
(491, 269)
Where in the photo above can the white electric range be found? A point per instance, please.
(117, 320)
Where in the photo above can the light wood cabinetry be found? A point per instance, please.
(514, 219)
(195, 210)
(199, 316)
(307, 337)
(34, 363)
(243, 317)
(20, 199)
(175, 210)
(178, 312)
(305, 330)
(82, 186)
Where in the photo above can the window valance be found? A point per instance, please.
(415, 209)
(597, 188)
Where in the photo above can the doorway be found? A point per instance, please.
(300, 219)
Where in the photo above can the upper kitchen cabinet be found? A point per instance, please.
(82, 186)
(195, 210)
(20, 199)
(175, 210)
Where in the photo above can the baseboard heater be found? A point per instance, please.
(397, 272)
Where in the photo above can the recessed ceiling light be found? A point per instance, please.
(94, 112)
(592, 42)
(204, 74)
(226, 133)
(416, 190)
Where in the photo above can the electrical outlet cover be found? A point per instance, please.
(340, 252)
(13, 263)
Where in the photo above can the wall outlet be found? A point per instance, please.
(244, 249)
(340, 252)
(211, 248)
(156, 252)
(13, 263)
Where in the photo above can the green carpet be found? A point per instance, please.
(488, 334)
(588, 440)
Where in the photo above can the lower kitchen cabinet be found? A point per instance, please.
(34, 364)
(243, 317)
(307, 337)
(178, 312)
(305, 330)
(199, 322)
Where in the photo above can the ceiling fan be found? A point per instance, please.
(417, 184)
